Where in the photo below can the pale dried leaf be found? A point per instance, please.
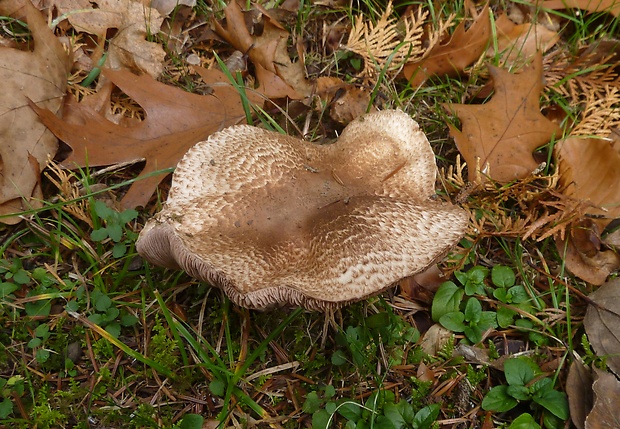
(276, 74)
(129, 48)
(164, 7)
(435, 339)
(25, 144)
(589, 172)
(610, 6)
(584, 253)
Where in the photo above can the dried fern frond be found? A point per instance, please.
(594, 70)
(376, 43)
(69, 192)
(600, 115)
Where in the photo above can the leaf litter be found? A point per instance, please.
(26, 145)
(569, 204)
(175, 120)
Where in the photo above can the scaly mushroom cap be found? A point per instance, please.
(275, 220)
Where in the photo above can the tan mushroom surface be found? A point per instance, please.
(274, 220)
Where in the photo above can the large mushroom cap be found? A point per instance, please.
(274, 220)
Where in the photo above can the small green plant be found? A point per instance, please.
(162, 348)
(107, 315)
(359, 343)
(524, 421)
(526, 382)
(114, 228)
(453, 312)
(9, 387)
(379, 410)
(472, 321)
(190, 421)
(508, 293)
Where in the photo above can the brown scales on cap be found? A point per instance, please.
(274, 220)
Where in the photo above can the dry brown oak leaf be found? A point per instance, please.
(498, 137)
(175, 121)
(451, 58)
(25, 144)
(590, 171)
(277, 75)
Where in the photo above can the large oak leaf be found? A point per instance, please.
(175, 120)
(25, 144)
(499, 137)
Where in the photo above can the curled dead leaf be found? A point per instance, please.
(346, 101)
(518, 44)
(591, 6)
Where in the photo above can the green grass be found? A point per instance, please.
(91, 332)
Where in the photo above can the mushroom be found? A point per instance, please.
(274, 220)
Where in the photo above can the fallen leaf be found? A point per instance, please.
(175, 120)
(435, 339)
(579, 392)
(610, 6)
(606, 402)
(517, 44)
(584, 253)
(25, 144)
(164, 7)
(590, 171)
(129, 48)
(451, 58)
(498, 137)
(276, 74)
(602, 321)
(344, 100)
